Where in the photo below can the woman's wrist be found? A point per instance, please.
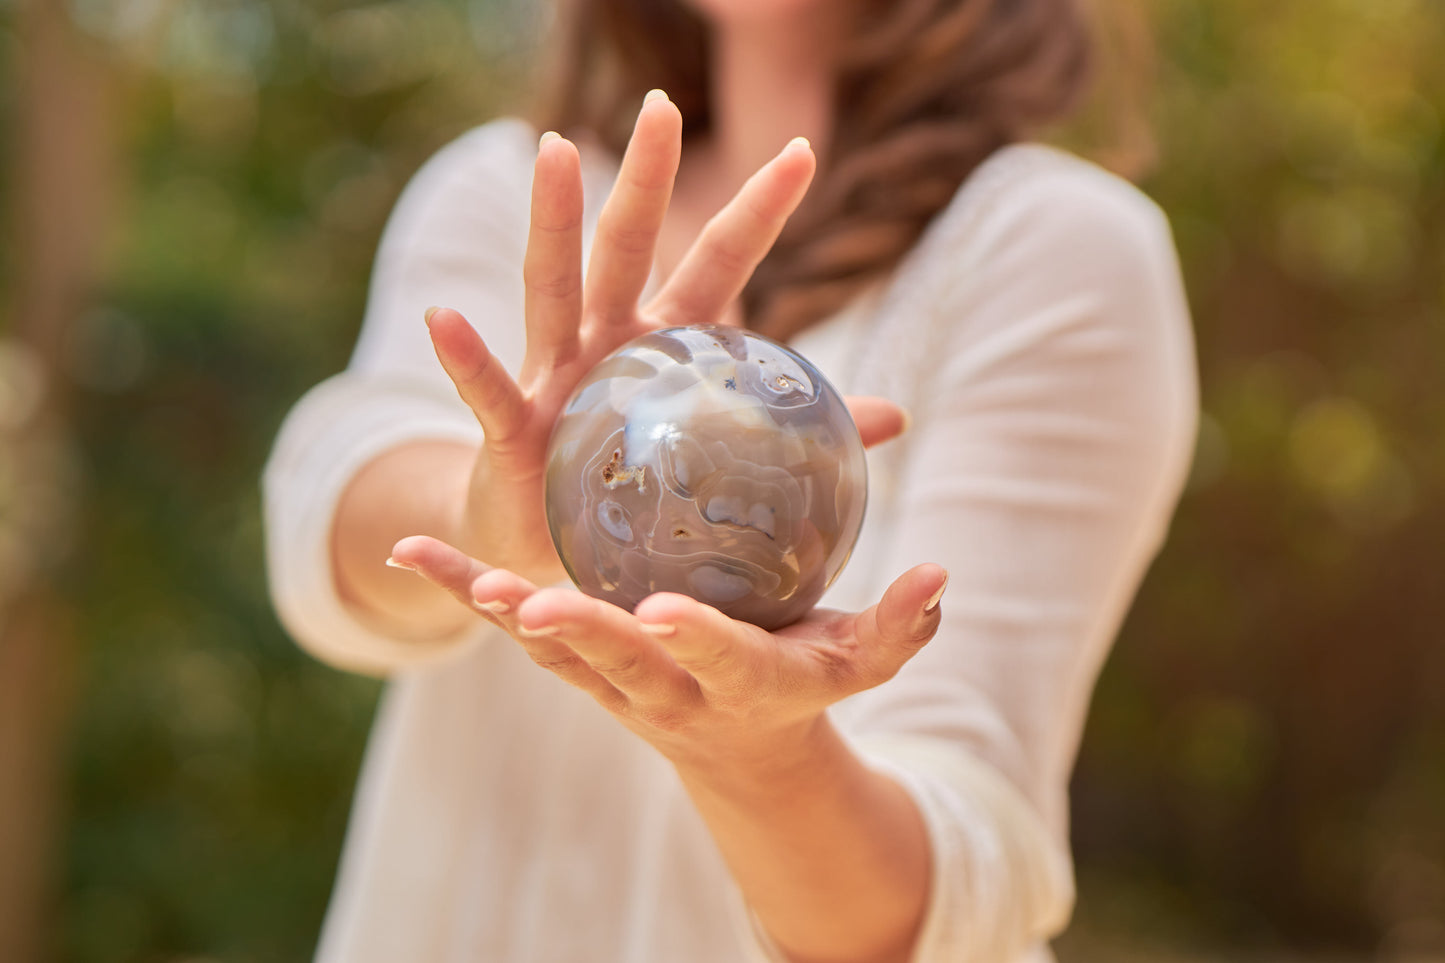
(762, 767)
(407, 490)
(831, 855)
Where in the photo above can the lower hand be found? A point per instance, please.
(710, 693)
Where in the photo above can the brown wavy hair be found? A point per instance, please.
(927, 89)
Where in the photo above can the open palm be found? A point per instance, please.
(573, 319)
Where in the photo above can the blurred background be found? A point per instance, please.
(191, 195)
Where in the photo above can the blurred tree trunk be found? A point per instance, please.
(65, 147)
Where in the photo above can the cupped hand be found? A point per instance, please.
(700, 687)
(574, 320)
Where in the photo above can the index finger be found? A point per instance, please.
(712, 648)
(552, 267)
(608, 641)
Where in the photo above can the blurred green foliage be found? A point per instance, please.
(213, 761)
(1265, 764)
(1266, 757)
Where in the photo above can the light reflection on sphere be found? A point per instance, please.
(708, 461)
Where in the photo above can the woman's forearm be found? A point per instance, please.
(831, 856)
(414, 489)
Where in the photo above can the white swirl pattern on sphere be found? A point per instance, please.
(709, 461)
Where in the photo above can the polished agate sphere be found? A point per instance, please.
(708, 461)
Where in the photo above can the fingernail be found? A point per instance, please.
(653, 95)
(429, 312)
(539, 631)
(548, 137)
(937, 597)
(497, 607)
(799, 142)
(907, 421)
(398, 563)
(660, 629)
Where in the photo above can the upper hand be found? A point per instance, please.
(573, 321)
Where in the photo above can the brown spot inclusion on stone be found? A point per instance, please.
(614, 473)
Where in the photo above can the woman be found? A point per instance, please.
(883, 786)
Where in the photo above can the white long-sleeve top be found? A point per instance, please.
(1039, 337)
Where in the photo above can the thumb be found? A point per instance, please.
(480, 379)
(904, 620)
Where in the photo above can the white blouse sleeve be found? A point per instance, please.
(455, 239)
(1054, 407)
